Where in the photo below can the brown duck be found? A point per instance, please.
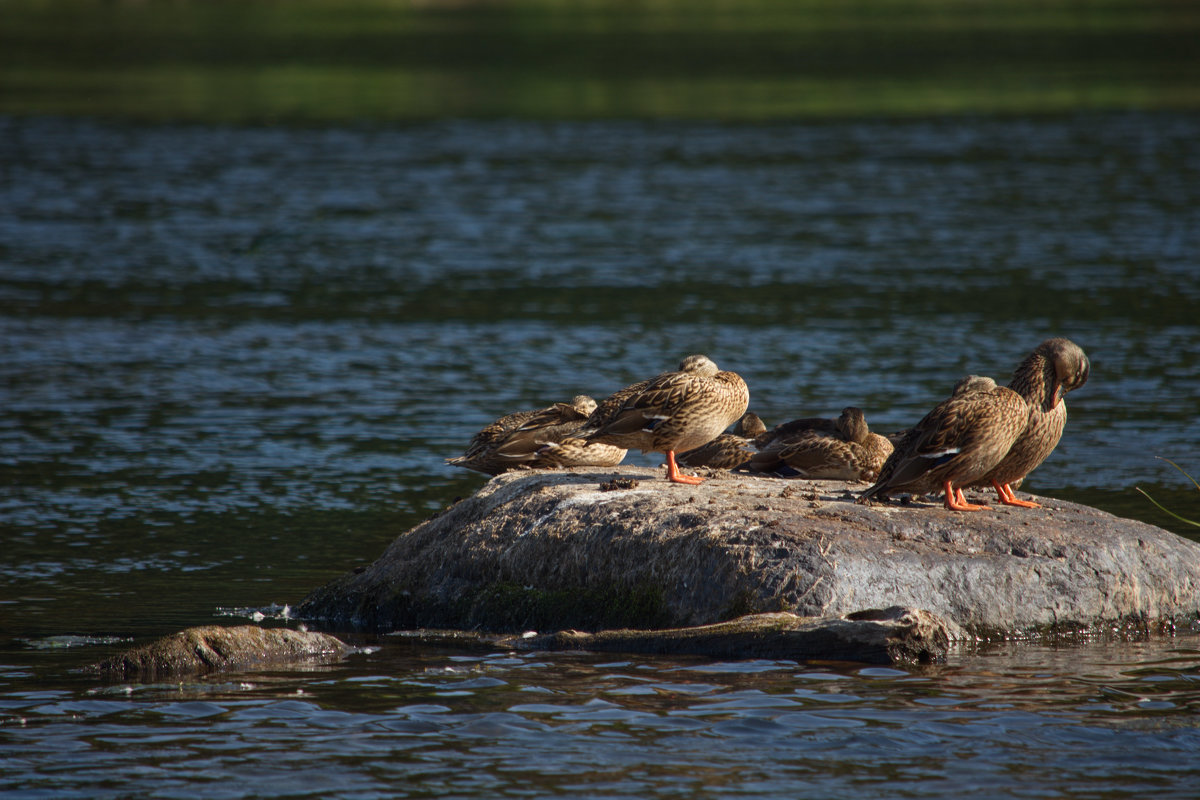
(675, 411)
(527, 440)
(842, 449)
(729, 450)
(1043, 379)
(955, 444)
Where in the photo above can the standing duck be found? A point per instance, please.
(675, 411)
(955, 444)
(524, 440)
(842, 449)
(729, 450)
(1043, 379)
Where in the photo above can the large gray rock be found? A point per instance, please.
(571, 549)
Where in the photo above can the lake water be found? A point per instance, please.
(233, 360)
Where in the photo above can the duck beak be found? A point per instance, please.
(1056, 396)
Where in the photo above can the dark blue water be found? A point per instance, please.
(232, 361)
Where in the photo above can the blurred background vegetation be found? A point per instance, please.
(256, 61)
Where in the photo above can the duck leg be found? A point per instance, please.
(1009, 498)
(956, 502)
(675, 476)
(961, 498)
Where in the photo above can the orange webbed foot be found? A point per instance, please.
(961, 499)
(1009, 498)
(675, 476)
(956, 502)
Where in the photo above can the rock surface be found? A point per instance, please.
(213, 648)
(621, 547)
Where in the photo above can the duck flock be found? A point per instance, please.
(982, 435)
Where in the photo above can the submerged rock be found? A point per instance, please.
(212, 648)
(882, 636)
(552, 551)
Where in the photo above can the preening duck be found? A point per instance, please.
(1043, 379)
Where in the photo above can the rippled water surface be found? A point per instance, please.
(1101, 720)
(232, 361)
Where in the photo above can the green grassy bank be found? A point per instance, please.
(325, 60)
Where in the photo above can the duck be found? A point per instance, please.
(526, 440)
(797, 427)
(672, 412)
(542, 442)
(729, 450)
(958, 442)
(1042, 379)
(842, 449)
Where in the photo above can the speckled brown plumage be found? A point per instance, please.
(796, 427)
(479, 454)
(570, 451)
(527, 440)
(1043, 379)
(675, 411)
(956, 443)
(841, 449)
(729, 450)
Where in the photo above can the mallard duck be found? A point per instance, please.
(574, 452)
(956, 443)
(729, 450)
(842, 449)
(542, 442)
(797, 427)
(970, 383)
(521, 441)
(1043, 379)
(675, 411)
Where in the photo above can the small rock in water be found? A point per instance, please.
(213, 647)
